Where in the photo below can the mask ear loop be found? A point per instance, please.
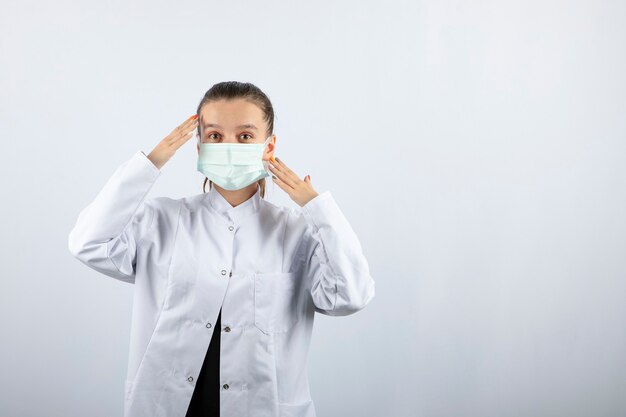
(266, 164)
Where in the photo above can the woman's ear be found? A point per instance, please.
(271, 146)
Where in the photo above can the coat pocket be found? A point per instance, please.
(275, 301)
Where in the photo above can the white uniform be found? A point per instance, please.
(269, 268)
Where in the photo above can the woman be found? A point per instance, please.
(226, 283)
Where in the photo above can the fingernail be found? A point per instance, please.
(195, 116)
(272, 158)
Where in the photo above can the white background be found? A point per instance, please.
(477, 148)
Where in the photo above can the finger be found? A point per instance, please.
(178, 139)
(288, 175)
(281, 184)
(188, 122)
(285, 168)
(284, 177)
(182, 131)
(191, 119)
(181, 140)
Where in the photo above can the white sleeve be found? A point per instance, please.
(335, 266)
(109, 229)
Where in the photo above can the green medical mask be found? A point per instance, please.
(233, 166)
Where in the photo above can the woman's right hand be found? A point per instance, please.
(170, 144)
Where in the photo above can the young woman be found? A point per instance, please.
(226, 283)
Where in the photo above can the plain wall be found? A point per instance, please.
(477, 148)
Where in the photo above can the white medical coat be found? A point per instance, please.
(269, 268)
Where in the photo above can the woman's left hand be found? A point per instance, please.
(300, 191)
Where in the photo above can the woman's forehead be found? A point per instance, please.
(244, 123)
(231, 114)
(250, 126)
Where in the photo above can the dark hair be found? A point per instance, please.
(229, 90)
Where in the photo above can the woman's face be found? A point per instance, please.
(234, 121)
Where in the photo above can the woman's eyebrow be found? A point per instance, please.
(246, 126)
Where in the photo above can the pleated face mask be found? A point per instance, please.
(233, 166)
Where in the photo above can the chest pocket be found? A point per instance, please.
(275, 301)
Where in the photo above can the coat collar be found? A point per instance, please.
(239, 212)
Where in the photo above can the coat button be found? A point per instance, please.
(227, 329)
(190, 379)
(226, 386)
(230, 274)
(231, 228)
(208, 325)
(223, 272)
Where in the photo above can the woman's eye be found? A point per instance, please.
(215, 136)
